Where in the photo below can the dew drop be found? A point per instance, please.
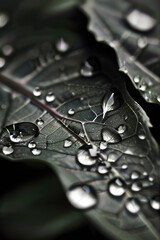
(142, 87)
(137, 79)
(2, 62)
(62, 46)
(7, 150)
(7, 50)
(36, 151)
(3, 19)
(39, 122)
(103, 145)
(136, 186)
(82, 196)
(31, 145)
(151, 178)
(124, 166)
(140, 20)
(102, 169)
(110, 135)
(142, 42)
(67, 143)
(50, 97)
(132, 205)
(116, 187)
(122, 129)
(71, 111)
(90, 67)
(84, 158)
(37, 92)
(141, 134)
(155, 202)
(135, 175)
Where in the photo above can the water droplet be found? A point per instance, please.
(125, 117)
(39, 122)
(62, 46)
(71, 111)
(7, 150)
(151, 178)
(145, 174)
(7, 50)
(155, 202)
(113, 157)
(110, 135)
(90, 67)
(82, 196)
(143, 199)
(135, 175)
(3, 19)
(67, 143)
(103, 169)
(22, 132)
(140, 20)
(50, 97)
(36, 151)
(93, 151)
(133, 205)
(103, 145)
(142, 42)
(142, 87)
(158, 98)
(137, 79)
(141, 134)
(121, 129)
(116, 187)
(84, 158)
(2, 62)
(124, 166)
(37, 92)
(136, 186)
(31, 145)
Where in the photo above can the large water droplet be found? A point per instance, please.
(84, 158)
(4, 18)
(133, 205)
(37, 92)
(82, 196)
(135, 175)
(62, 46)
(36, 151)
(140, 20)
(110, 135)
(121, 129)
(7, 150)
(155, 202)
(67, 143)
(116, 187)
(90, 67)
(71, 111)
(50, 97)
(2, 62)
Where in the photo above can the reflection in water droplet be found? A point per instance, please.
(137, 79)
(7, 150)
(67, 143)
(36, 151)
(103, 145)
(122, 129)
(155, 202)
(31, 145)
(110, 135)
(135, 175)
(113, 157)
(82, 196)
(7, 50)
(62, 46)
(116, 187)
(50, 97)
(132, 205)
(2, 62)
(3, 19)
(90, 67)
(71, 111)
(140, 20)
(39, 122)
(84, 158)
(37, 92)
(136, 186)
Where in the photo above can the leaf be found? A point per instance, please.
(108, 166)
(133, 32)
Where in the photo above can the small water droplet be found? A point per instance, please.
(135, 175)
(140, 20)
(141, 134)
(2, 62)
(62, 46)
(124, 166)
(71, 111)
(137, 79)
(125, 117)
(7, 150)
(155, 202)
(113, 157)
(121, 129)
(133, 205)
(145, 174)
(103, 145)
(82, 196)
(36, 151)
(31, 145)
(50, 97)
(110, 135)
(151, 178)
(116, 187)
(90, 67)
(37, 92)
(7, 50)
(39, 122)
(4, 18)
(142, 42)
(67, 143)
(142, 87)
(103, 169)
(136, 186)
(84, 158)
